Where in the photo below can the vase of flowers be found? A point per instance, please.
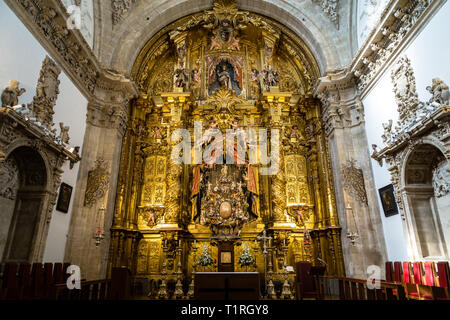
(205, 258)
(246, 259)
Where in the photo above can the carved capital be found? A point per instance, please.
(341, 101)
(110, 107)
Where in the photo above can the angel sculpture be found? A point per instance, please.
(64, 135)
(387, 131)
(375, 151)
(440, 92)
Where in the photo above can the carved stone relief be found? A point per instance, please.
(9, 179)
(411, 110)
(441, 180)
(120, 8)
(405, 90)
(97, 183)
(54, 27)
(375, 54)
(330, 8)
(47, 91)
(353, 178)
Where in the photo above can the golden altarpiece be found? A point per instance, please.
(227, 69)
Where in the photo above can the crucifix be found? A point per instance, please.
(265, 238)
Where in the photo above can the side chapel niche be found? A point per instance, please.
(230, 70)
(31, 158)
(417, 150)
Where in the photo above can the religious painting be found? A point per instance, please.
(224, 72)
(65, 193)
(225, 257)
(388, 200)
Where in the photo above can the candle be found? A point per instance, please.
(195, 243)
(165, 243)
(284, 242)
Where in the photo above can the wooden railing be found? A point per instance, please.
(48, 282)
(357, 289)
(90, 290)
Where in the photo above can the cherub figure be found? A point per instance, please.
(235, 44)
(11, 94)
(299, 216)
(214, 43)
(152, 218)
(157, 135)
(294, 134)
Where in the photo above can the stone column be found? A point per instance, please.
(343, 118)
(107, 117)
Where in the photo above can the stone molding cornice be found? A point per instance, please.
(33, 132)
(400, 23)
(438, 123)
(47, 21)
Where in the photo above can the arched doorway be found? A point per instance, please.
(424, 178)
(23, 199)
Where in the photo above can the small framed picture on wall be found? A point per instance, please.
(65, 193)
(388, 201)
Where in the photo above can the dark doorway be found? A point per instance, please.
(29, 206)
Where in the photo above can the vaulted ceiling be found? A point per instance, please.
(123, 27)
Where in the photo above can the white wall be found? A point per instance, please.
(429, 55)
(21, 58)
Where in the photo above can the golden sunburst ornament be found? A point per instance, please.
(224, 99)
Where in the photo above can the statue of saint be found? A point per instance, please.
(224, 78)
(181, 77)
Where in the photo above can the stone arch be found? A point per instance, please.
(23, 221)
(419, 194)
(26, 143)
(118, 46)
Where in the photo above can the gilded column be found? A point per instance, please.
(276, 103)
(178, 104)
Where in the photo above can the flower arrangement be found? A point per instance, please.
(205, 258)
(246, 259)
